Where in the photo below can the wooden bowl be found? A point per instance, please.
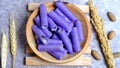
(44, 55)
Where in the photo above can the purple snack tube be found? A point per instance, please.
(43, 16)
(51, 47)
(59, 12)
(60, 29)
(40, 34)
(58, 20)
(55, 37)
(51, 24)
(38, 41)
(62, 15)
(37, 20)
(58, 55)
(75, 40)
(47, 32)
(54, 41)
(66, 11)
(67, 42)
(79, 28)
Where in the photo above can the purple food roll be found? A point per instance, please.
(66, 11)
(47, 32)
(75, 40)
(59, 12)
(38, 41)
(55, 41)
(51, 47)
(55, 36)
(67, 42)
(58, 55)
(62, 15)
(51, 24)
(40, 34)
(37, 20)
(43, 16)
(59, 21)
(60, 29)
(78, 24)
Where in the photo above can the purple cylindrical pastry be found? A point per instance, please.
(58, 55)
(58, 20)
(51, 24)
(75, 40)
(43, 16)
(55, 41)
(67, 42)
(38, 41)
(66, 11)
(37, 20)
(51, 47)
(47, 32)
(78, 24)
(55, 36)
(59, 12)
(62, 15)
(40, 34)
(59, 29)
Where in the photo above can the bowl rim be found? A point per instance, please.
(77, 55)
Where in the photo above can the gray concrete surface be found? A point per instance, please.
(21, 13)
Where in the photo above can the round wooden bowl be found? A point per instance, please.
(44, 55)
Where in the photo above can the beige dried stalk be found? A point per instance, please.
(4, 51)
(13, 40)
(97, 22)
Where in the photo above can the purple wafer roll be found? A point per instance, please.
(58, 55)
(59, 12)
(51, 47)
(58, 20)
(47, 32)
(75, 40)
(62, 15)
(78, 24)
(64, 37)
(55, 41)
(43, 16)
(37, 21)
(51, 24)
(55, 37)
(38, 41)
(40, 34)
(60, 29)
(65, 11)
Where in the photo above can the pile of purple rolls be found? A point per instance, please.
(59, 32)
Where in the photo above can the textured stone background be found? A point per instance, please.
(20, 8)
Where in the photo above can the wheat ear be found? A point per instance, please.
(97, 22)
(13, 41)
(4, 50)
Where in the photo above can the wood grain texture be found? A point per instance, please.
(28, 49)
(81, 61)
(33, 6)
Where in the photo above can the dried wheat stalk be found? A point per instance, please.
(4, 51)
(97, 22)
(13, 41)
